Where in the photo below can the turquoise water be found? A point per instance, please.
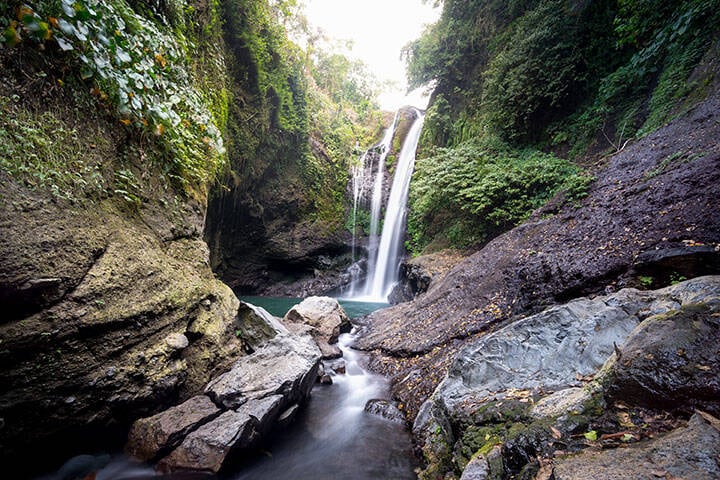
(279, 306)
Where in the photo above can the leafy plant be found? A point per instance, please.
(138, 67)
(483, 187)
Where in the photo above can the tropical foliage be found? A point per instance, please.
(576, 78)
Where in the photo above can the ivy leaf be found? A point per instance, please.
(63, 44)
(68, 9)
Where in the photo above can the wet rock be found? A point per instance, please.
(211, 445)
(672, 361)
(326, 380)
(476, 469)
(417, 273)
(288, 416)
(545, 351)
(257, 325)
(385, 409)
(328, 351)
(207, 447)
(690, 453)
(285, 365)
(324, 314)
(153, 436)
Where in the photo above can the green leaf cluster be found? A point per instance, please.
(473, 191)
(140, 69)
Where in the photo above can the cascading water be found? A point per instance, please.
(383, 267)
(382, 150)
(358, 182)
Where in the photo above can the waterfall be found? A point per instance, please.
(358, 182)
(383, 269)
(383, 148)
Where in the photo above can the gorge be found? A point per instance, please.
(539, 247)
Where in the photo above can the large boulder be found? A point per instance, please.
(565, 366)
(287, 365)
(327, 320)
(257, 325)
(156, 435)
(209, 447)
(672, 360)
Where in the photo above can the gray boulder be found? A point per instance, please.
(691, 453)
(546, 351)
(209, 447)
(257, 325)
(286, 365)
(150, 437)
(327, 320)
(671, 361)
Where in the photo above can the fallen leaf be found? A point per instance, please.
(710, 419)
(591, 435)
(556, 433)
(658, 473)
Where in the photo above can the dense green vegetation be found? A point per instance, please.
(142, 67)
(573, 78)
(207, 92)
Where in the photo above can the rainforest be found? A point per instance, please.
(223, 256)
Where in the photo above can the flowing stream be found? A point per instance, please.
(335, 438)
(332, 438)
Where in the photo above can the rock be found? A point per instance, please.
(476, 469)
(324, 314)
(154, 436)
(211, 445)
(285, 365)
(288, 416)
(689, 453)
(385, 409)
(545, 351)
(671, 361)
(417, 273)
(257, 325)
(177, 341)
(328, 351)
(326, 380)
(130, 300)
(561, 403)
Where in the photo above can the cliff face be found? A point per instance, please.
(110, 310)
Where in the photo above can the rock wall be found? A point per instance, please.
(109, 315)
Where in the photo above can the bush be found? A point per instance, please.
(483, 187)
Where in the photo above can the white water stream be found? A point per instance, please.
(383, 266)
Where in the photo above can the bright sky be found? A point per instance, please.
(378, 29)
